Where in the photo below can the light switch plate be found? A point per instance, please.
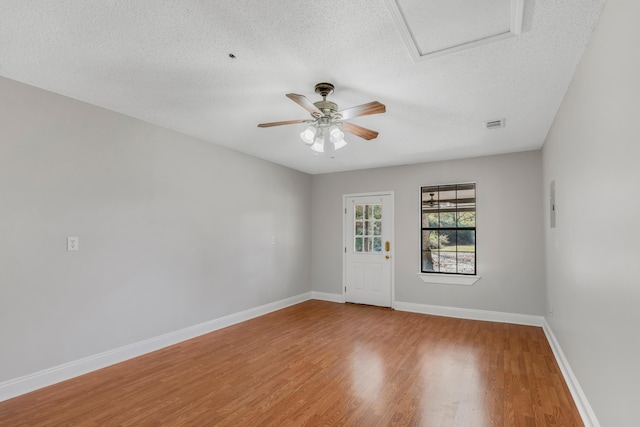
(552, 204)
(72, 243)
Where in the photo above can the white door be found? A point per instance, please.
(368, 249)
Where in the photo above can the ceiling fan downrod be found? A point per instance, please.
(327, 107)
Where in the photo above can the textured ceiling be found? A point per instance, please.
(436, 25)
(167, 62)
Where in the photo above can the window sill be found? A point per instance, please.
(448, 279)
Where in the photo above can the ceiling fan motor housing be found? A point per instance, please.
(324, 89)
(326, 106)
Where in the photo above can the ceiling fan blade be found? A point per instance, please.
(373, 107)
(288, 122)
(304, 102)
(359, 131)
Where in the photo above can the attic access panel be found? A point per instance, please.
(433, 28)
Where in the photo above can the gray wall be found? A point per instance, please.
(173, 231)
(593, 256)
(509, 230)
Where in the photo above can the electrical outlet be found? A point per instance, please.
(72, 243)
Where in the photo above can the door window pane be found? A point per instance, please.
(377, 228)
(377, 211)
(367, 224)
(377, 244)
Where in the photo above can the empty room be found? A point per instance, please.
(363, 213)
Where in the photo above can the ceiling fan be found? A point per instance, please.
(433, 203)
(327, 121)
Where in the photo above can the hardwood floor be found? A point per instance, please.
(322, 363)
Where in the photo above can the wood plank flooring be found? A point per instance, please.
(322, 364)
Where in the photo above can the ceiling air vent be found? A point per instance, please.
(494, 124)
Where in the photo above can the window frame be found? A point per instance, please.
(462, 275)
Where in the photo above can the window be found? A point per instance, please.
(368, 228)
(449, 229)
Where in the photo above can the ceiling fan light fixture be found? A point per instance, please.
(308, 135)
(335, 134)
(328, 122)
(318, 144)
(338, 145)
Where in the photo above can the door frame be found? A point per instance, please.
(391, 239)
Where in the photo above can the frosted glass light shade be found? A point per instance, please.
(335, 134)
(339, 144)
(318, 145)
(337, 137)
(308, 135)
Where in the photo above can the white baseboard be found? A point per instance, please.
(586, 412)
(466, 313)
(47, 377)
(326, 296)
